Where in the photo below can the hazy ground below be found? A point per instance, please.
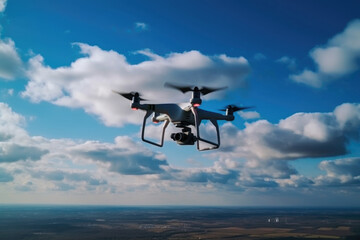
(74, 222)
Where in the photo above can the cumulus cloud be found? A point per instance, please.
(339, 57)
(67, 176)
(15, 144)
(340, 172)
(9, 117)
(235, 176)
(295, 181)
(11, 152)
(125, 156)
(309, 77)
(301, 135)
(67, 165)
(88, 81)
(263, 151)
(11, 64)
(224, 171)
(249, 115)
(349, 166)
(57, 157)
(258, 160)
(348, 115)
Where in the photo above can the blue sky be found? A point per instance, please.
(66, 138)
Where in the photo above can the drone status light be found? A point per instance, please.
(134, 108)
(196, 104)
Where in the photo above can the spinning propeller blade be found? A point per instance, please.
(234, 108)
(207, 90)
(130, 95)
(182, 89)
(186, 88)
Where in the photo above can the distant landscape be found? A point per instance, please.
(90, 222)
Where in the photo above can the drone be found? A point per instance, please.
(183, 116)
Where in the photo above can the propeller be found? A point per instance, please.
(184, 89)
(130, 95)
(233, 108)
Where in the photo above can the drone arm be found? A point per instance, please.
(159, 108)
(207, 115)
(136, 106)
(147, 115)
(168, 111)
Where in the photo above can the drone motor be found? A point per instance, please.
(196, 92)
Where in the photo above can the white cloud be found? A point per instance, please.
(298, 136)
(2, 5)
(349, 167)
(249, 115)
(261, 152)
(348, 115)
(310, 78)
(10, 92)
(297, 181)
(11, 125)
(58, 176)
(68, 165)
(257, 162)
(339, 57)
(88, 82)
(289, 62)
(335, 61)
(15, 144)
(12, 152)
(340, 172)
(59, 161)
(125, 156)
(5, 176)
(141, 26)
(11, 64)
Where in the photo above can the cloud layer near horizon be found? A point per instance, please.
(257, 159)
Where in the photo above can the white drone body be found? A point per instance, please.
(183, 115)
